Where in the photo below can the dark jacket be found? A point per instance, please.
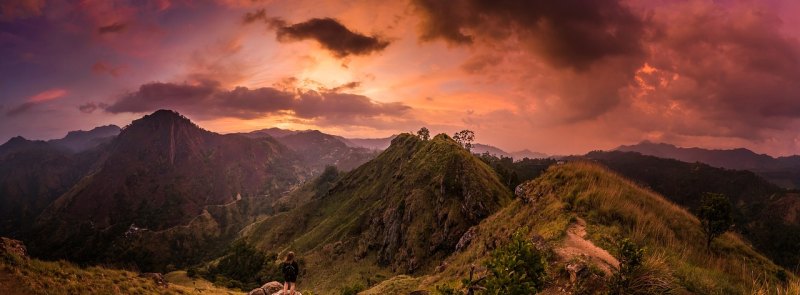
(290, 271)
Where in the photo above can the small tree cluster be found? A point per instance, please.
(715, 216)
(516, 268)
(244, 267)
(465, 138)
(424, 133)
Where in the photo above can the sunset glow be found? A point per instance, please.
(558, 80)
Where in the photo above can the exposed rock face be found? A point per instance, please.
(12, 246)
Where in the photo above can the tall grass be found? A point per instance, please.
(616, 208)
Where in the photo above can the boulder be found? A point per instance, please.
(267, 289)
(11, 246)
(157, 278)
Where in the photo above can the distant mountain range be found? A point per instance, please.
(783, 171)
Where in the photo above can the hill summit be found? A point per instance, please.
(401, 212)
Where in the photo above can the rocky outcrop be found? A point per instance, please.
(11, 246)
(268, 289)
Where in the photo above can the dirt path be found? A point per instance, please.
(575, 244)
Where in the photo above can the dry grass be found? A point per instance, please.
(615, 208)
(34, 276)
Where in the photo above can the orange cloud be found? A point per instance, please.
(48, 95)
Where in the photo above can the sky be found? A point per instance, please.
(559, 77)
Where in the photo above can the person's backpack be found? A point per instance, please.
(289, 270)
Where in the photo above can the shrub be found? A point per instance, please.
(516, 268)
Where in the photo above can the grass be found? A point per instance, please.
(400, 213)
(33, 276)
(615, 208)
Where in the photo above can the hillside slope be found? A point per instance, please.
(32, 175)
(611, 208)
(160, 172)
(763, 212)
(401, 212)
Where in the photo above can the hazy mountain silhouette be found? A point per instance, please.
(784, 171)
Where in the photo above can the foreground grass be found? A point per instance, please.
(33, 276)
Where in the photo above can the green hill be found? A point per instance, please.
(568, 199)
(400, 213)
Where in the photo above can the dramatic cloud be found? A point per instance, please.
(90, 107)
(16, 9)
(208, 100)
(565, 33)
(35, 100)
(328, 32)
(112, 28)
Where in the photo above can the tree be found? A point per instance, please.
(516, 268)
(464, 138)
(715, 215)
(424, 133)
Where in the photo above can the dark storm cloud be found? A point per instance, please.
(210, 101)
(112, 28)
(573, 33)
(328, 32)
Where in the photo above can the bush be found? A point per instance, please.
(637, 275)
(516, 268)
(244, 267)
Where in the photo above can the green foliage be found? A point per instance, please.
(464, 138)
(424, 133)
(715, 215)
(631, 257)
(244, 268)
(352, 289)
(516, 268)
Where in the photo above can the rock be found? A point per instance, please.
(286, 293)
(575, 269)
(12, 246)
(267, 289)
(442, 266)
(158, 278)
(466, 238)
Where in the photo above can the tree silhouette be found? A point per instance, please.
(424, 133)
(715, 215)
(464, 138)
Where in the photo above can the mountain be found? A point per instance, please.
(577, 214)
(32, 175)
(479, 148)
(78, 141)
(273, 132)
(519, 155)
(763, 212)
(161, 172)
(401, 212)
(318, 150)
(371, 143)
(784, 171)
